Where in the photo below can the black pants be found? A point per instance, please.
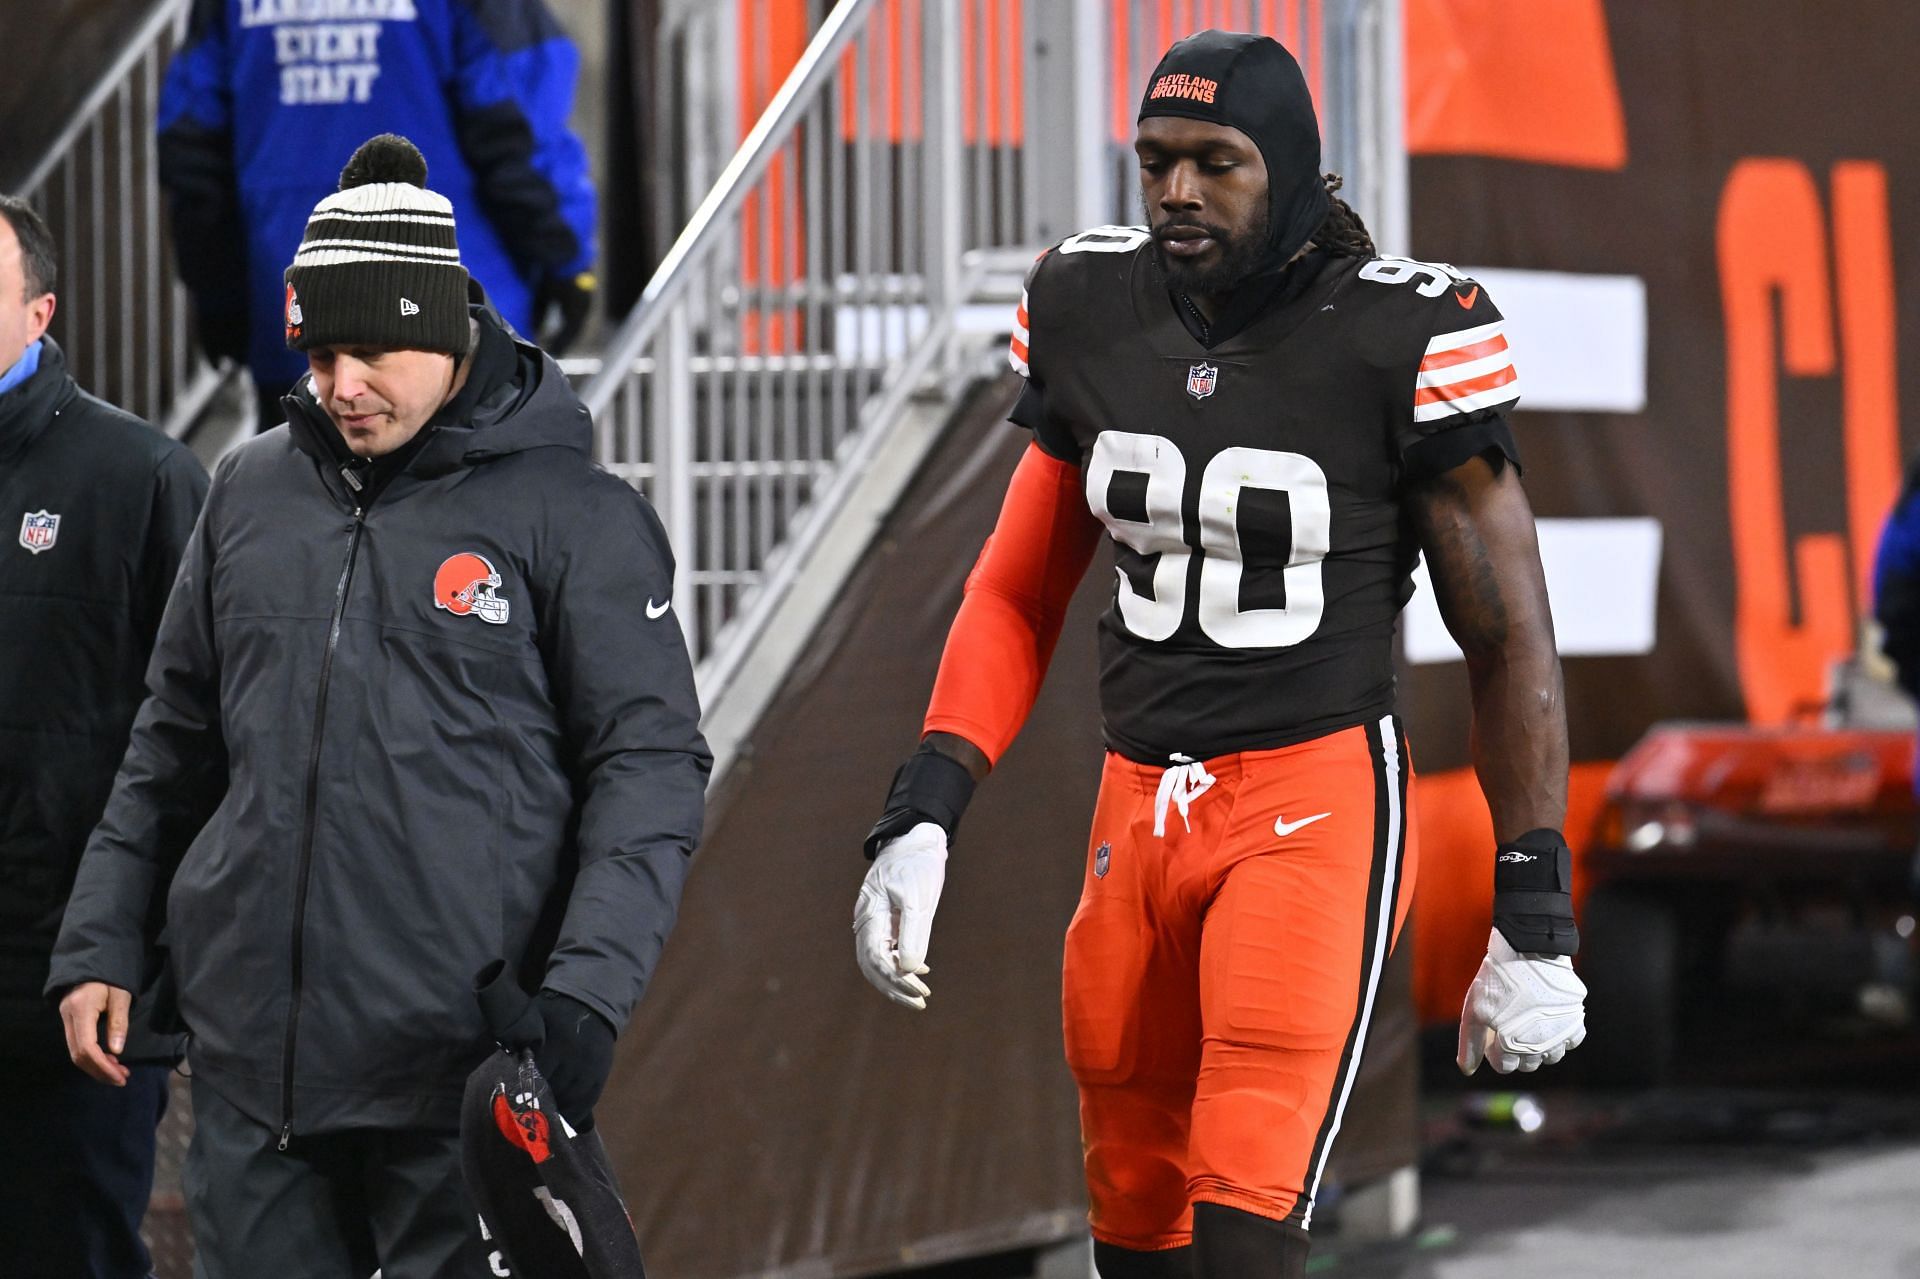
(76, 1169)
(333, 1206)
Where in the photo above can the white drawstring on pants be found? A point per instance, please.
(1182, 783)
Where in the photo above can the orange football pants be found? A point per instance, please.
(1220, 974)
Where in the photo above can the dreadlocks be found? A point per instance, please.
(1342, 233)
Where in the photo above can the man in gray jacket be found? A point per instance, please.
(417, 703)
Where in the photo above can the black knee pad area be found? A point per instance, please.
(1125, 1263)
(1231, 1244)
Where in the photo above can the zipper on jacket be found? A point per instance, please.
(305, 871)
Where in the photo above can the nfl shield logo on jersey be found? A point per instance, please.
(39, 531)
(1200, 380)
(1101, 856)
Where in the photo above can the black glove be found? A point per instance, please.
(572, 297)
(575, 1053)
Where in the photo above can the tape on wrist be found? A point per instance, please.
(929, 787)
(1533, 894)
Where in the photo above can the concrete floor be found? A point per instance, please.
(1788, 1147)
(1829, 1206)
(1704, 1216)
(1795, 1166)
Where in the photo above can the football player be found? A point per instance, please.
(1270, 422)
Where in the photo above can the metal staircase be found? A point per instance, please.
(852, 267)
(125, 322)
(853, 252)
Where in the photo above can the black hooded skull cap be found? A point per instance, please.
(1251, 83)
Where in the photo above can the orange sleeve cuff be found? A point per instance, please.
(1016, 602)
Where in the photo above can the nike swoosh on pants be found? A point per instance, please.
(1283, 827)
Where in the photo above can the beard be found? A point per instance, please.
(1237, 255)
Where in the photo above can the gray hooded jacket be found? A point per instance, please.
(388, 741)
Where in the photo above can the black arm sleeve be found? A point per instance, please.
(1437, 454)
(1030, 411)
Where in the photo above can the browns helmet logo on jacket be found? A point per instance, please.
(467, 585)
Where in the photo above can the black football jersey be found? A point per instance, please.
(1252, 488)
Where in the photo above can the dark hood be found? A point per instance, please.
(1251, 83)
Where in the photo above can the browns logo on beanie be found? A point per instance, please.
(379, 264)
(1251, 83)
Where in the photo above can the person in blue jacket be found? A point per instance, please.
(1896, 585)
(267, 98)
(1896, 600)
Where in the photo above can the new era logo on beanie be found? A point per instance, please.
(379, 264)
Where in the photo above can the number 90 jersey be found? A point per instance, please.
(1252, 489)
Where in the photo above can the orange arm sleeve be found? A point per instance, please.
(1016, 601)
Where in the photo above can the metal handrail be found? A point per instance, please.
(124, 319)
(726, 658)
(162, 23)
(805, 297)
(818, 284)
(730, 191)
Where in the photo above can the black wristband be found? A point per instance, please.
(1533, 894)
(929, 787)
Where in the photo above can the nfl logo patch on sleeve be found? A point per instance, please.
(1200, 380)
(39, 530)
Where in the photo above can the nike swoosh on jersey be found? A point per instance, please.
(660, 610)
(1283, 827)
(1466, 303)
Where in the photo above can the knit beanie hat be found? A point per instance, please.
(379, 264)
(1252, 84)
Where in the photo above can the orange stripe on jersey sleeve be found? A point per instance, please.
(1017, 349)
(1461, 390)
(1459, 355)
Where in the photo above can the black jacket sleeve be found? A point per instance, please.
(172, 778)
(179, 491)
(623, 683)
(202, 187)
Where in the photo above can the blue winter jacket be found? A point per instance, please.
(1896, 585)
(267, 99)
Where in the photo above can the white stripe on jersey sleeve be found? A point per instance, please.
(1442, 342)
(1466, 372)
(1468, 403)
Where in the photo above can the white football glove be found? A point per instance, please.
(1522, 1011)
(893, 920)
